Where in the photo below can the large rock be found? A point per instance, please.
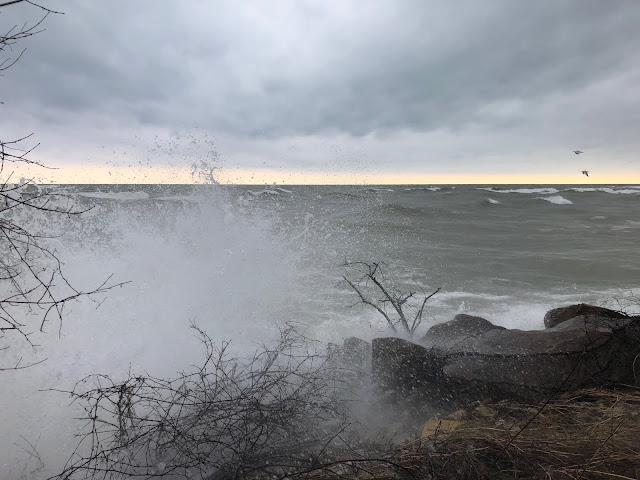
(405, 368)
(350, 362)
(446, 336)
(583, 351)
(586, 350)
(357, 354)
(558, 315)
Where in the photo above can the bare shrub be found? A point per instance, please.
(627, 302)
(277, 413)
(404, 309)
(33, 287)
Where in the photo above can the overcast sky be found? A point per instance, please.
(337, 90)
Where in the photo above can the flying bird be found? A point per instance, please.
(578, 152)
(586, 172)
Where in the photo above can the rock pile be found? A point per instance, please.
(469, 359)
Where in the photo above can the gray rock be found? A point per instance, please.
(405, 368)
(446, 336)
(586, 350)
(591, 351)
(351, 362)
(600, 324)
(356, 354)
(334, 354)
(558, 315)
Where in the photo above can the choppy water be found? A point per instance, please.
(240, 259)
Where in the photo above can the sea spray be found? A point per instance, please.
(202, 262)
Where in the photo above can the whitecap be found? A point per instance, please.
(457, 294)
(629, 224)
(176, 198)
(263, 192)
(492, 201)
(429, 189)
(622, 191)
(545, 190)
(116, 195)
(557, 199)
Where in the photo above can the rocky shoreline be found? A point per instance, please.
(469, 360)
(490, 402)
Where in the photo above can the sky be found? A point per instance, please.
(345, 91)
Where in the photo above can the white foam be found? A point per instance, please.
(628, 225)
(201, 261)
(429, 189)
(115, 195)
(457, 295)
(492, 201)
(546, 190)
(176, 198)
(614, 191)
(557, 199)
(283, 190)
(263, 192)
(524, 313)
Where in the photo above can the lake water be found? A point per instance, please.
(241, 260)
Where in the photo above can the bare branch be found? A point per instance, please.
(278, 414)
(35, 288)
(371, 281)
(19, 366)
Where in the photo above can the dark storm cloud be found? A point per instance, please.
(271, 69)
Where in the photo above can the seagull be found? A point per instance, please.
(578, 152)
(586, 172)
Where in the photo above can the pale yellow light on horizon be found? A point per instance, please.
(103, 174)
(338, 178)
(514, 179)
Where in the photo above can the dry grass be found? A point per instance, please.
(588, 434)
(584, 435)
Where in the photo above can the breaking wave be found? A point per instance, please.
(115, 195)
(612, 190)
(557, 199)
(546, 190)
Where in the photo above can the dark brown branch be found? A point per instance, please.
(35, 287)
(372, 274)
(273, 415)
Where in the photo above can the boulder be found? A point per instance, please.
(350, 362)
(334, 352)
(531, 365)
(584, 351)
(445, 336)
(558, 315)
(356, 354)
(404, 368)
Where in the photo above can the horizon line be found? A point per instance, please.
(104, 174)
